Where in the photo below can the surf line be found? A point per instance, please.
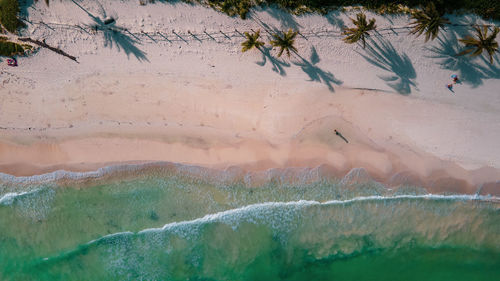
(8, 198)
(306, 203)
(227, 216)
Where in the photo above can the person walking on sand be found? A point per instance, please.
(341, 136)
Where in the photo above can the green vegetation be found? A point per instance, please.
(482, 42)
(252, 41)
(231, 7)
(285, 42)
(360, 31)
(488, 9)
(8, 15)
(428, 21)
(27, 47)
(8, 49)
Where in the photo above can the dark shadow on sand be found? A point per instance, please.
(461, 25)
(285, 18)
(114, 35)
(382, 54)
(334, 19)
(23, 9)
(315, 73)
(471, 71)
(278, 65)
(267, 29)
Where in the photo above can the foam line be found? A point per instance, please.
(62, 174)
(221, 216)
(100, 172)
(232, 214)
(302, 203)
(9, 198)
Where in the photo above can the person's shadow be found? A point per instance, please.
(315, 73)
(114, 35)
(382, 54)
(341, 136)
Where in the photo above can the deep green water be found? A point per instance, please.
(172, 228)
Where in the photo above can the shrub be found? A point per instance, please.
(489, 9)
(243, 9)
(8, 14)
(8, 49)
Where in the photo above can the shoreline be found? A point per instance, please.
(167, 152)
(437, 184)
(204, 103)
(256, 133)
(438, 181)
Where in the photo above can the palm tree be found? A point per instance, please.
(360, 32)
(483, 42)
(285, 42)
(252, 41)
(428, 21)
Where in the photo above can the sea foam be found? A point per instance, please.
(291, 218)
(9, 198)
(258, 212)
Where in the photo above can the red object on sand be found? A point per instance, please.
(12, 62)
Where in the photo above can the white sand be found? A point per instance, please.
(207, 103)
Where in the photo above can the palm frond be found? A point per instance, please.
(475, 46)
(360, 31)
(285, 42)
(252, 41)
(465, 52)
(428, 21)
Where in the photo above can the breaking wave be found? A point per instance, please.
(190, 223)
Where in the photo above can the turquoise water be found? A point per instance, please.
(167, 227)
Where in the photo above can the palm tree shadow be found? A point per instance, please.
(461, 24)
(23, 8)
(315, 73)
(278, 65)
(383, 55)
(334, 19)
(492, 69)
(114, 35)
(285, 18)
(468, 69)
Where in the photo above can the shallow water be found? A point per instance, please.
(164, 227)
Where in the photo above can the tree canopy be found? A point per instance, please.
(360, 31)
(475, 46)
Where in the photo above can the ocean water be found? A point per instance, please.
(168, 227)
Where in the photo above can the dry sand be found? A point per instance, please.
(205, 103)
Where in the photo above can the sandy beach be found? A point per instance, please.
(141, 143)
(160, 93)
